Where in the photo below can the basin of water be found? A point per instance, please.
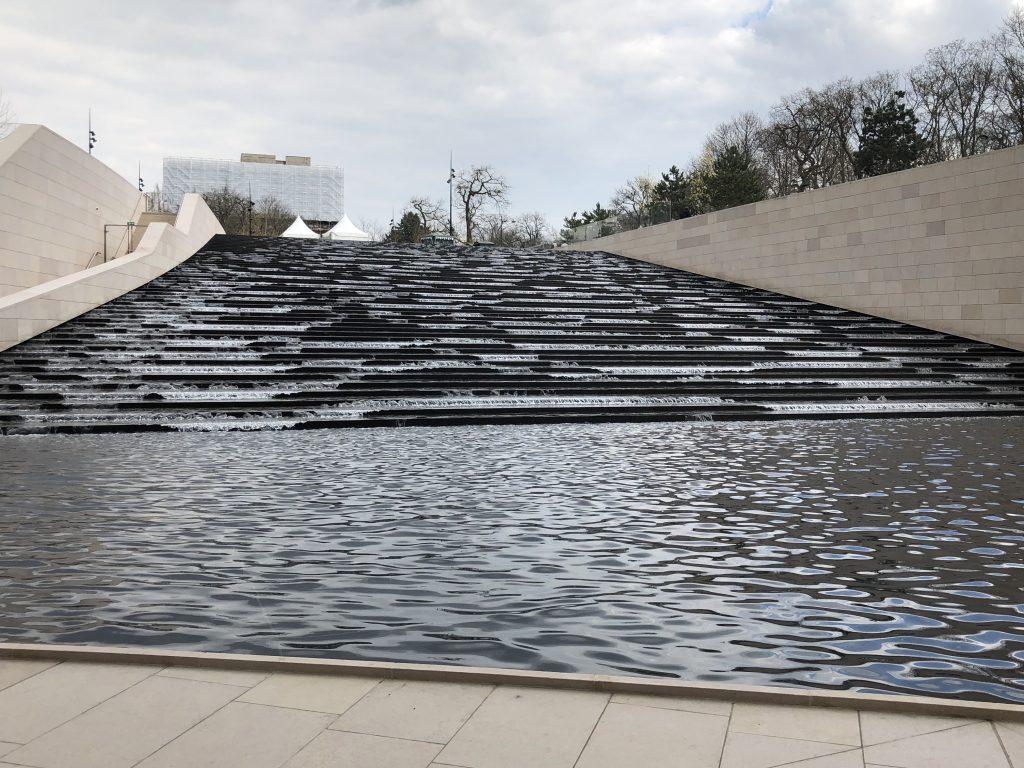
(883, 555)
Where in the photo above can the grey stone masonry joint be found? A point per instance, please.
(910, 190)
(691, 242)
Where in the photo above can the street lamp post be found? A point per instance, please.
(451, 178)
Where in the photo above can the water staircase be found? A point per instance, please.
(266, 333)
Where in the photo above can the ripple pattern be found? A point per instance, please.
(877, 555)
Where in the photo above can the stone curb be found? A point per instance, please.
(905, 705)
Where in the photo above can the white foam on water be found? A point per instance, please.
(761, 339)
(824, 352)
(241, 327)
(237, 425)
(539, 401)
(498, 358)
(187, 370)
(989, 363)
(880, 406)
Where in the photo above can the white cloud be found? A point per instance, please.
(567, 99)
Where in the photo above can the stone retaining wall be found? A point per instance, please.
(55, 199)
(31, 311)
(941, 246)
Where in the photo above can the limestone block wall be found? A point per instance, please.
(54, 200)
(33, 310)
(940, 246)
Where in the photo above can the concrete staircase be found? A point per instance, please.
(258, 333)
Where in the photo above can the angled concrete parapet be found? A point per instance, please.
(30, 312)
(55, 199)
(941, 246)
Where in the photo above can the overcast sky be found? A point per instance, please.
(566, 98)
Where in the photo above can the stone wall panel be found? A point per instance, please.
(940, 246)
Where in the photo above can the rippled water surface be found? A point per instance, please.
(879, 555)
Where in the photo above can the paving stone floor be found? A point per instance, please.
(98, 715)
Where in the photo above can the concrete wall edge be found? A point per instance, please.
(37, 309)
(905, 704)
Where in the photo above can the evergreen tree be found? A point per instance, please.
(889, 140)
(598, 214)
(674, 188)
(734, 180)
(409, 229)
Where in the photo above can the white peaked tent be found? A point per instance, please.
(346, 230)
(298, 228)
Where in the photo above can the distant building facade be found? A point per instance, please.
(314, 192)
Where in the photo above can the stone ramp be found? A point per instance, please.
(264, 333)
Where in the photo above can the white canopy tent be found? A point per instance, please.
(346, 230)
(299, 228)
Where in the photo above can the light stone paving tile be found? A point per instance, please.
(425, 711)
(833, 726)
(340, 749)
(34, 706)
(242, 736)
(517, 727)
(747, 750)
(880, 727)
(852, 759)
(645, 736)
(1016, 727)
(130, 726)
(970, 745)
(703, 706)
(316, 693)
(15, 670)
(1012, 736)
(239, 677)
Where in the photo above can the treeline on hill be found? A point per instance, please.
(963, 99)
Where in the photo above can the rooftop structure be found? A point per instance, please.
(314, 192)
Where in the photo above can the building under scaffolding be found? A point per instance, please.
(314, 192)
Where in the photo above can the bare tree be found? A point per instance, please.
(271, 217)
(373, 228)
(742, 132)
(954, 90)
(799, 130)
(230, 209)
(532, 229)
(1008, 45)
(877, 90)
(475, 188)
(7, 116)
(839, 104)
(157, 202)
(632, 200)
(498, 227)
(816, 130)
(431, 213)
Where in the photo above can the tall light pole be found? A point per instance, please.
(451, 178)
(249, 206)
(92, 133)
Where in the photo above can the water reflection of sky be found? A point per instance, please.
(881, 555)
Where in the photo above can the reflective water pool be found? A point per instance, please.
(877, 555)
